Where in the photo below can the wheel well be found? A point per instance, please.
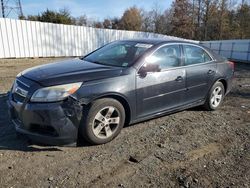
(124, 104)
(224, 84)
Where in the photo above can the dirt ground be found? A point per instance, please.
(192, 148)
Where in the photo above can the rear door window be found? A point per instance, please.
(195, 55)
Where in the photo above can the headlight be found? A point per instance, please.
(55, 93)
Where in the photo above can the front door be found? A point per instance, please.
(163, 86)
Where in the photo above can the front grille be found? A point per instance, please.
(19, 91)
(18, 98)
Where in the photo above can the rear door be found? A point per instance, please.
(200, 70)
(163, 88)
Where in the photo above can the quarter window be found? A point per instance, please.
(166, 57)
(195, 55)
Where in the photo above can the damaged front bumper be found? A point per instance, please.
(48, 123)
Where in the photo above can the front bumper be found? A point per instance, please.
(47, 123)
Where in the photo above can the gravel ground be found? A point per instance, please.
(192, 148)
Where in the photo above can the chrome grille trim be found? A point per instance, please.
(20, 91)
(23, 83)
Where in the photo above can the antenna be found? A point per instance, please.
(11, 8)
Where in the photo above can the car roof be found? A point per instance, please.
(156, 41)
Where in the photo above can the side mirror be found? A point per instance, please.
(148, 67)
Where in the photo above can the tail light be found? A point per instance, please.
(231, 64)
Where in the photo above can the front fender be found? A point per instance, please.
(122, 87)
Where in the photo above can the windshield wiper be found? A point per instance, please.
(96, 62)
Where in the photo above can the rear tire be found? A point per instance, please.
(215, 97)
(103, 121)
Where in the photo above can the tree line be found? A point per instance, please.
(191, 19)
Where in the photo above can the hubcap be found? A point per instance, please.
(106, 122)
(216, 97)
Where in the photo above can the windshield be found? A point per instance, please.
(120, 54)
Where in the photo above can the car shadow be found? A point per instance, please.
(9, 140)
(197, 109)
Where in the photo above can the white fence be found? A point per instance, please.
(20, 38)
(236, 50)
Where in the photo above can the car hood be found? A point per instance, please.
(74, 70)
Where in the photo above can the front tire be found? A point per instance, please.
(103, 121)
(215, 96)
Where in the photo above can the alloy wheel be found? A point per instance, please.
(106, 122)
(216, 97)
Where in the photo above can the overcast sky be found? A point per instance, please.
(97, 9)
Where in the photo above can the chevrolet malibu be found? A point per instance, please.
(123, 82)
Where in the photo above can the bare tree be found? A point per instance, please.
(81, 20)
(243, 17)
(107, 23)
(147, 21)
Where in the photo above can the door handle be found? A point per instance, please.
(210, 72)
(179, 79)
